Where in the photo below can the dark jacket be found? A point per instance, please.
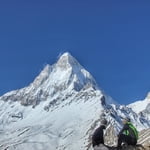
(97, 137)
(129, 130)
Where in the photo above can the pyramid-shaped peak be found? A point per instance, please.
(67, 60)
(67, 56)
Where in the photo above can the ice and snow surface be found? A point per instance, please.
(141, 105)
(59, 110)
(39, 129)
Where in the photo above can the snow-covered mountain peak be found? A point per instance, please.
(66, 60)
(62, 105)
(65, 75)
(142, 107)
(68, 71)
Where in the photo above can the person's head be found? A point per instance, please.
(104, 122)
(125, 120)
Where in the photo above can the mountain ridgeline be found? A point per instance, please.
(60, 110)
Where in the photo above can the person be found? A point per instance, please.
(98, 135)
(128, 134)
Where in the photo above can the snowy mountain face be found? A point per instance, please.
(142, 108)
(60, 110)
(141, 105)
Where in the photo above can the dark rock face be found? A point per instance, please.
(103, 101)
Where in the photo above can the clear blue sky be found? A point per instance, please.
(110, 38)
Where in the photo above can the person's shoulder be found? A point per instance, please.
(103, 126)
(97, 129)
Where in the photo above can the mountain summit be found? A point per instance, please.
(65, 74)
(67, 60)
(60, 110)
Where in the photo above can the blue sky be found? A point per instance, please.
(111, 39)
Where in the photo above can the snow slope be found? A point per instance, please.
(142, 108)
(141, 105)
(59, 110)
